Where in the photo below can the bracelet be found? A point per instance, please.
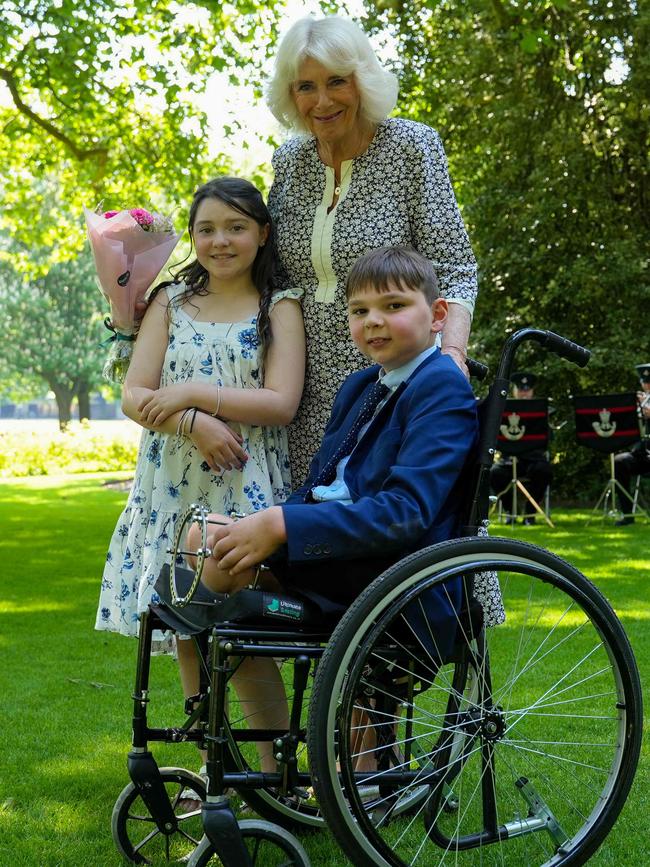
(215, 414)
(195, 410)
(180, 431)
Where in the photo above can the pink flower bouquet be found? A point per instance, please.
(130, 249)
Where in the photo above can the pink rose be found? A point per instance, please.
(110, 214)
(141, 216)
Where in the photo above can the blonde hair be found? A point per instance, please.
(342, 47)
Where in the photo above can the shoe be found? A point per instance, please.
(529, 521)
(624, 521)
(189, 794)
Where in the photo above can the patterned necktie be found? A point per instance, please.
(372, 398)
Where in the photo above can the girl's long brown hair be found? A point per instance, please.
(244, 197)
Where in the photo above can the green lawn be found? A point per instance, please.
(65, 689)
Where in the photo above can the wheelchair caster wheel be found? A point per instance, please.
(268, 845)
(134, 830)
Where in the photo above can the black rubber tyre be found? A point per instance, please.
(550, 730)
(134, 832)
(267, 844)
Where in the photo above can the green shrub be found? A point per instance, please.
(80, 449)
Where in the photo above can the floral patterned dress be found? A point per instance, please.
(397, 192)
(171, 474)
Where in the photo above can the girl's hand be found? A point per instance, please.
(242, 544)
(219, 444)
(163, 402)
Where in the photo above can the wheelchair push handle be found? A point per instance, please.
(549, 340)
(567, 349)
(477, 369)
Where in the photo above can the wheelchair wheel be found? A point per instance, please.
(135, 833)
(268, 846)
(525, 737)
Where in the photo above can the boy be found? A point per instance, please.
(398, 489)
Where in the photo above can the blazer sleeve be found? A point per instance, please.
(437, 430)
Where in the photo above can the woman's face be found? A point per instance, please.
(328, 103)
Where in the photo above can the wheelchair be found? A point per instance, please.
(509, 735)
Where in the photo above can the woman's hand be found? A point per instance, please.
(455, 335)
(219, 444)
(163, 402)
(458, 356)
(242, 544)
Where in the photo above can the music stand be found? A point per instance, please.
(523, 429)
(608, 423)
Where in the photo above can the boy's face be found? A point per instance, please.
(392, 327)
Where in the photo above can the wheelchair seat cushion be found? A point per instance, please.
(198, 615)
(245, 608)
(269, 609)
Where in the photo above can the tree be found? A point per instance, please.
(103, 99)
(543, 107)
(52, 332)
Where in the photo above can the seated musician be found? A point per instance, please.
(636, 462)
(534, 466)
(386, 480)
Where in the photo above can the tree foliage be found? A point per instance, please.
(103, 101)
(51, 331)
(543, 107)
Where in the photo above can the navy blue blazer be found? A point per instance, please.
(403, 475)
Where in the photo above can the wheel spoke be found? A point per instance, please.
(523, 729)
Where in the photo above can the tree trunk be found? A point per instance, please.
(83, 397)
(63, 397)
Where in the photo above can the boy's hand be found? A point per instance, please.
(163, 402)
(219, 444)
(247, 542)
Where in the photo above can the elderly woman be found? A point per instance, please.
(353, 180)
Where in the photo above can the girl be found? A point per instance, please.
(217, 372)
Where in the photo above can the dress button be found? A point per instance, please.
(327, 549)
(317, 549)
(307, 549)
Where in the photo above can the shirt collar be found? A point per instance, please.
(392, 378)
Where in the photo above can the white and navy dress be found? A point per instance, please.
(171, 474)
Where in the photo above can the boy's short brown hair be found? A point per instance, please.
(387, 267)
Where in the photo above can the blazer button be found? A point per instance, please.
(317, 549)
(307, 549)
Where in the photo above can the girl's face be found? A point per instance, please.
(226, 241)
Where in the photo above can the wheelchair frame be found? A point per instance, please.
(442, 721)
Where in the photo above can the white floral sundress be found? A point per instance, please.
(170, 473)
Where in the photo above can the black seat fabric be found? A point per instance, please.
(246, 608)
